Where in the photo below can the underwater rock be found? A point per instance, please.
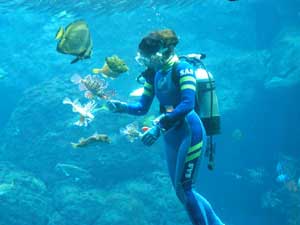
(284, 70)
(20, 190)
(283, 201)
(270, 199)
(120, 208)
(162, 199)
(233, 71)
(77, 206)
(33, 133)
(293, 208)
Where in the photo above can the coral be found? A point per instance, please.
(122, 209)
(283, 66)
(20, 190)
(77, 206)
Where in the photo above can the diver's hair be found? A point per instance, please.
(150, 44)
(168, 37)
(158, 40)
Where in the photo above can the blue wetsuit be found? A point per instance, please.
(184, 141)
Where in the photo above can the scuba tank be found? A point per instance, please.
(208, 110)
(208, 107)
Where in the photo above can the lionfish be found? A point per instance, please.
(93, 86)
(85, 111)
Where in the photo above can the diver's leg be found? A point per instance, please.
(186, 168)
(188, 160)
(172, 143)
(210, 213)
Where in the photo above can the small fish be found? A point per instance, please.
(282, 178)
(91, 139)
(93, 86)
(298, 183)
(113, 67)
(131, 132)
(85, 111)
(75, 40)
(137, 92)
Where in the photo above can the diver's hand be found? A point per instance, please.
(151, 135)
(165, 122)
(116, 106)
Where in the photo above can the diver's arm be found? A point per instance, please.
(187, 85)
(142, 106)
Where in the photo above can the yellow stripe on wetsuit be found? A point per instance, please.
(147, 85)
(188, 86)
(148, 89)
(194, 152)
(187, 78)
(187, 82)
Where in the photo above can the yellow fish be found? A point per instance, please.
(112, 68)
(75, 40)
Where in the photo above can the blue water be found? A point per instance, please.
(247, 43)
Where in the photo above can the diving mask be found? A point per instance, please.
(153, 61)
(142, 60)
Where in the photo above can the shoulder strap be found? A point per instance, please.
(175, 77)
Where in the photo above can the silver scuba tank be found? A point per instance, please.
(208, 107)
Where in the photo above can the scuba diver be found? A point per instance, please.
(179, 124)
